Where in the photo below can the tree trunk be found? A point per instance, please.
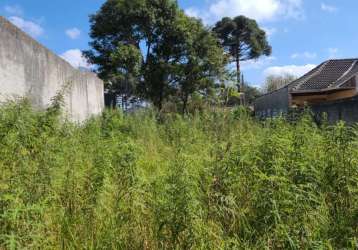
(226, 92)
(243, 90)
(160, 101)
(238, 76)
(148, 52)
(185, 104)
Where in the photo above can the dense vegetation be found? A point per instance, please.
(214, 180)
(242, 39)
(152, 49)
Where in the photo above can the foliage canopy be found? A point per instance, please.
(153, 47)
(243, 40)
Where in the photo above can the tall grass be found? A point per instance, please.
(214, 180)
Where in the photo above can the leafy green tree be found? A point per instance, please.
(228, 95)
(203, 62)
(243, 40)
(151, 44)
(127, 60)
(251, 93)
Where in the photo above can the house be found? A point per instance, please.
(329, 88)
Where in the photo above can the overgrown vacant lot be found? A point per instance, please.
(215, 180)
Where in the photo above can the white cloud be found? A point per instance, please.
(75, 58)
(33, 29)
(333, 53)
(14, 10)
(261, 10)
(257, 63)
(292, 9)
(328, 8)
(193, 12)
(304, 55)
(269, 31)
(73, 33)
(296, 70)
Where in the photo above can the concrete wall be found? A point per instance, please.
(29, 69)
(277, 103)
(345, 109)
(272, 104)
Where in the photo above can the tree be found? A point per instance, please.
(151, 44)
(204, 61)
(243, 40)
(229, 96)
(251, 93)
(274, 82)
(126, 59)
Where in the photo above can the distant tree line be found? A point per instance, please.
(274, 82)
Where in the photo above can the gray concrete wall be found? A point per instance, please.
(272, 104)
(345, 110)
(29, 69)
(276, 103)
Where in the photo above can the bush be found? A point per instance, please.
(212, 180)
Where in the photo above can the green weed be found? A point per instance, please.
(214, 180)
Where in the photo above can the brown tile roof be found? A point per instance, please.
(329, 75)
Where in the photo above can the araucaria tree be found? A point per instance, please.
(155, 47)
(243, 40)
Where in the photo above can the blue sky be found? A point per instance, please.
(303, 33)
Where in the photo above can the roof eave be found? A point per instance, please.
(320, 91)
